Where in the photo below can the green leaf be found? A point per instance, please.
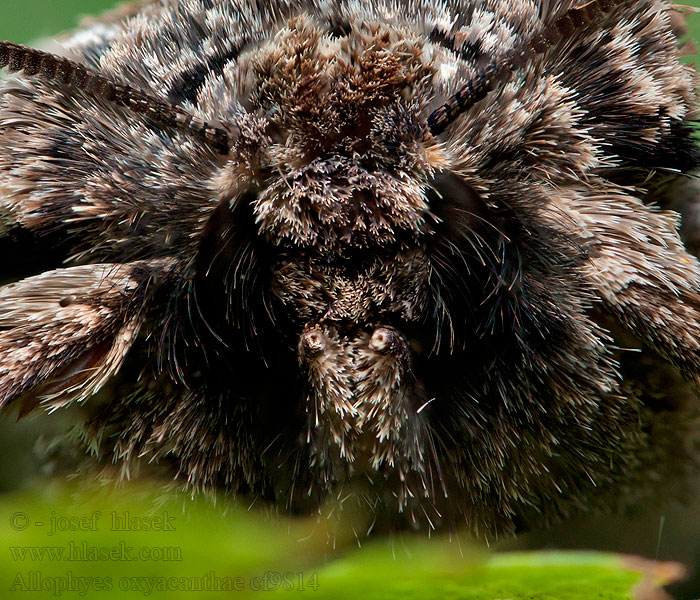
(70, 542)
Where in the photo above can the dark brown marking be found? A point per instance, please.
(575, 19)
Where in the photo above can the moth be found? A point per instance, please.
(438, 258)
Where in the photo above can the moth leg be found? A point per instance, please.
(640, 270)
(65, 332)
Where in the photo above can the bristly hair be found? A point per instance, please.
(405, 281)
(54, 68)
(60, 70)
(574, 20)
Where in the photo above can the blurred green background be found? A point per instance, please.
(26, 20)
(670, 533)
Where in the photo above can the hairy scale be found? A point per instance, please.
(418, 254)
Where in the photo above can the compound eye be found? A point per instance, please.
(449, 192)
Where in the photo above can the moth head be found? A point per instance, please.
(382, 257)
(338, 118)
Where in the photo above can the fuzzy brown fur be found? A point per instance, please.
(454, 329)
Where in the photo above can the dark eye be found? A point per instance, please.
(476, 267)
(230, 283)
(458, 205)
